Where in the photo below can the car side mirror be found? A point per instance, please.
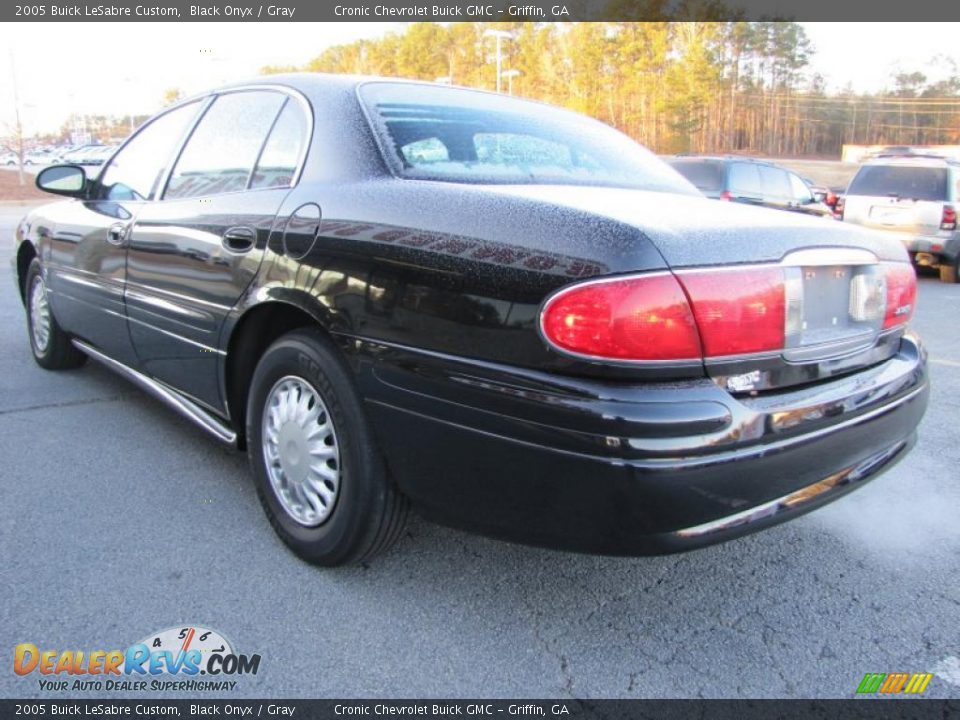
(69, 180)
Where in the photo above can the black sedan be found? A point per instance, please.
(508, 316)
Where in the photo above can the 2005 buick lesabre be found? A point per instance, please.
(508, 316)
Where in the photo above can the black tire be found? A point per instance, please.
(950, 271)
(58, 353)
(368, 512)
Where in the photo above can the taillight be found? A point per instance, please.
(838, 208)
(639, 318)
(948, 220)
(901, 294)
(713, 313)
(738, 311)
(726, 195)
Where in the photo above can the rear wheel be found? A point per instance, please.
(51, 346)
(950, 271)
(320, 478)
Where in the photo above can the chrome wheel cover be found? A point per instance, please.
(300, 451)
(39, 315)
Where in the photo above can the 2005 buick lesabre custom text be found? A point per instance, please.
(506, 315)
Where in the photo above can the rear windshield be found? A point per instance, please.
(707, 175)
(465, 136)
(909, 183)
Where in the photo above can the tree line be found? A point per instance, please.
(704, 87)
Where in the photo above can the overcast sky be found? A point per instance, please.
(122, 68)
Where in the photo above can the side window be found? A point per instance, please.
(801, 192)
(220, 154)
(775, 183)
(745, 180)
(278, 161)
(137, 169)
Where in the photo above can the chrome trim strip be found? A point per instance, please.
(167, 395)
(795, 500)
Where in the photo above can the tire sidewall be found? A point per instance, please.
(310, 356)
(37, 271)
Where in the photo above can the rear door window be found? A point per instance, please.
(745, 180)
(221, 153)
(909, 183)
(776, 183)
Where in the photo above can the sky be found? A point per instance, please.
(125, 68)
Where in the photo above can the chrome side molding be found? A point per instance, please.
(167, 395)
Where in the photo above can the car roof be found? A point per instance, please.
(725, 159)
(914, 160)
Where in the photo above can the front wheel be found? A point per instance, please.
(51, 346)
(319, 476)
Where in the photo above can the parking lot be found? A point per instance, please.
(121, 519)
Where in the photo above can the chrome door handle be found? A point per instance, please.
(117, 234)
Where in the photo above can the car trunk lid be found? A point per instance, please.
(833, 276)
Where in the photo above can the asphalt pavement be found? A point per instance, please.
(120, 519)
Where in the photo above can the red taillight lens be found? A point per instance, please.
(737, 311)
(641, 318)
(901, 294)
(726, 195)
(838, 208)
(949, 219)
(696, 314)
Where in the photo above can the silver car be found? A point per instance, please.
(917, 197)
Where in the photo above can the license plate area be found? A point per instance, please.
(832, 310)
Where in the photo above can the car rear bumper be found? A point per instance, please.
(631, 470)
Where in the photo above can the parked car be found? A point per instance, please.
(508, 315)
(8, 159)
(96, 155)
(37, 157)
(915, 197)
(78, 155)
(752, 182)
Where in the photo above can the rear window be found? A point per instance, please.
(706, 175)
(912, 183)
(465, 136)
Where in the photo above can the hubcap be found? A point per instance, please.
(39, 315)
(300, 451)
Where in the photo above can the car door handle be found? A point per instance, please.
(239, 239)
(117, 234)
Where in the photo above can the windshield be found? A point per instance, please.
(902, 181)
(466, 136)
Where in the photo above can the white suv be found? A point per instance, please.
(917, 197)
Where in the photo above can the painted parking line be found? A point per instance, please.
(942, 361)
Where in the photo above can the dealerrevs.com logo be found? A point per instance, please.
(190, 658)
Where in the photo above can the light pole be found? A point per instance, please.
(499, 35)
(510, 75)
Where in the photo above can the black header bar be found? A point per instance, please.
(482, 11)
(866, 709)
